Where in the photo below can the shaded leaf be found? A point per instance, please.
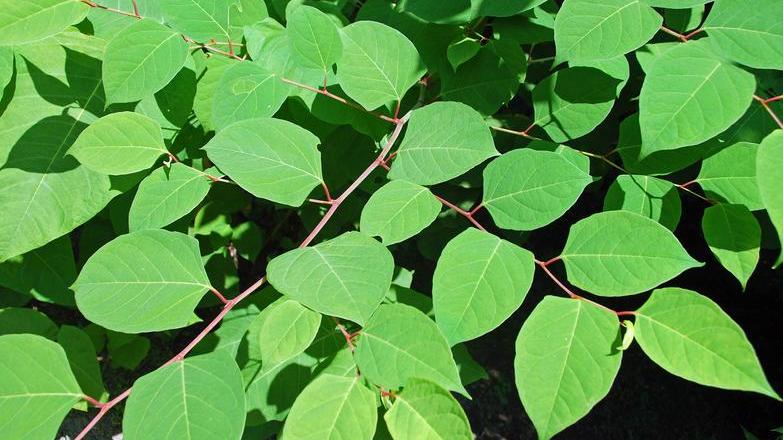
(769, 163)
(734, 236)
(651, 197)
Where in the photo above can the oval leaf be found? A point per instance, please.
(28, 21)
(690, 336)
(167, 195)
(426, 410)
(247, 91)
(375, 74)
(286, 152)
(332, 408)
(346, 276)
(565, 361)
(751, 36)
(443, 140)
(140, 60)
(526, 189)
(119, 143)
(35, 377)
(601, 29)
(199, 398)
(399, 210)
(143, 281)
(400, 343)
(684, 84)
(730, 175)
(284, 330)
(314, 38)
(620, 253)
(480, 280)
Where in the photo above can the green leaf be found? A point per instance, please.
(684, 84)
(332, 408)
(126, 351)
(526, 189)
(750, 36)
(45, 273)
(398, 211)
(443, 140)
(25, 22)
(769, 174)
(284, 330)
(119, 143)
(426, 410)
(651, 197)
(690, 336)
(83, 360)
(247, 91)
(286, 152)
(571, 102)
(314, 38)
(198, 398)
(734, 236)
(143, 281)
(17, 320)
(677, 4)
(201, 20)
(210, 75)
(378, 64)
(480, 280)
(618, 253)
(166, 195)
(565, 361)
(399, 343)
(590, 29)
(684, 20)
(141, 59)
(37, 389)
(6, 66)
(730, 176)
(346, 276)
(44, 193)
(462, 50)
(488, 80)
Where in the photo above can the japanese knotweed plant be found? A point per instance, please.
(156, 155)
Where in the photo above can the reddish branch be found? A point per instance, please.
(467, 214)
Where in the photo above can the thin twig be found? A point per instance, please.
(467, 214)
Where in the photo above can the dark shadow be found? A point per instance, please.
(8, 91)
(84, 76)
(43, 147)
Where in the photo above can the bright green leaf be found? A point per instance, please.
(143, 281)
(734, 236)
(286, 152)
(526, 189)
(690, 336)
(378, 64)
(37, 388)
(314, 38)
(618, 253)
(285, 329)
(201, 20)
(601, 29)
(730, 176)
(27, 21)
(425, 410)
(141, 59)
(399, 210)
(119, 143)
(400, 343)
(751, 36)
(332, 408)
(83, 360)
(247, 91)
(769, 174)
(199, 398)
(565, 361)
(685, 84)
(166, 195)
(480, 280)
(346, 276)
(443, 140)
(6, 66)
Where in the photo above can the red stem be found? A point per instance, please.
(92, 401)
(375, 164)
(625, 313)
(765, 103)
(340, 99)
(462, 212)
(218, 295)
